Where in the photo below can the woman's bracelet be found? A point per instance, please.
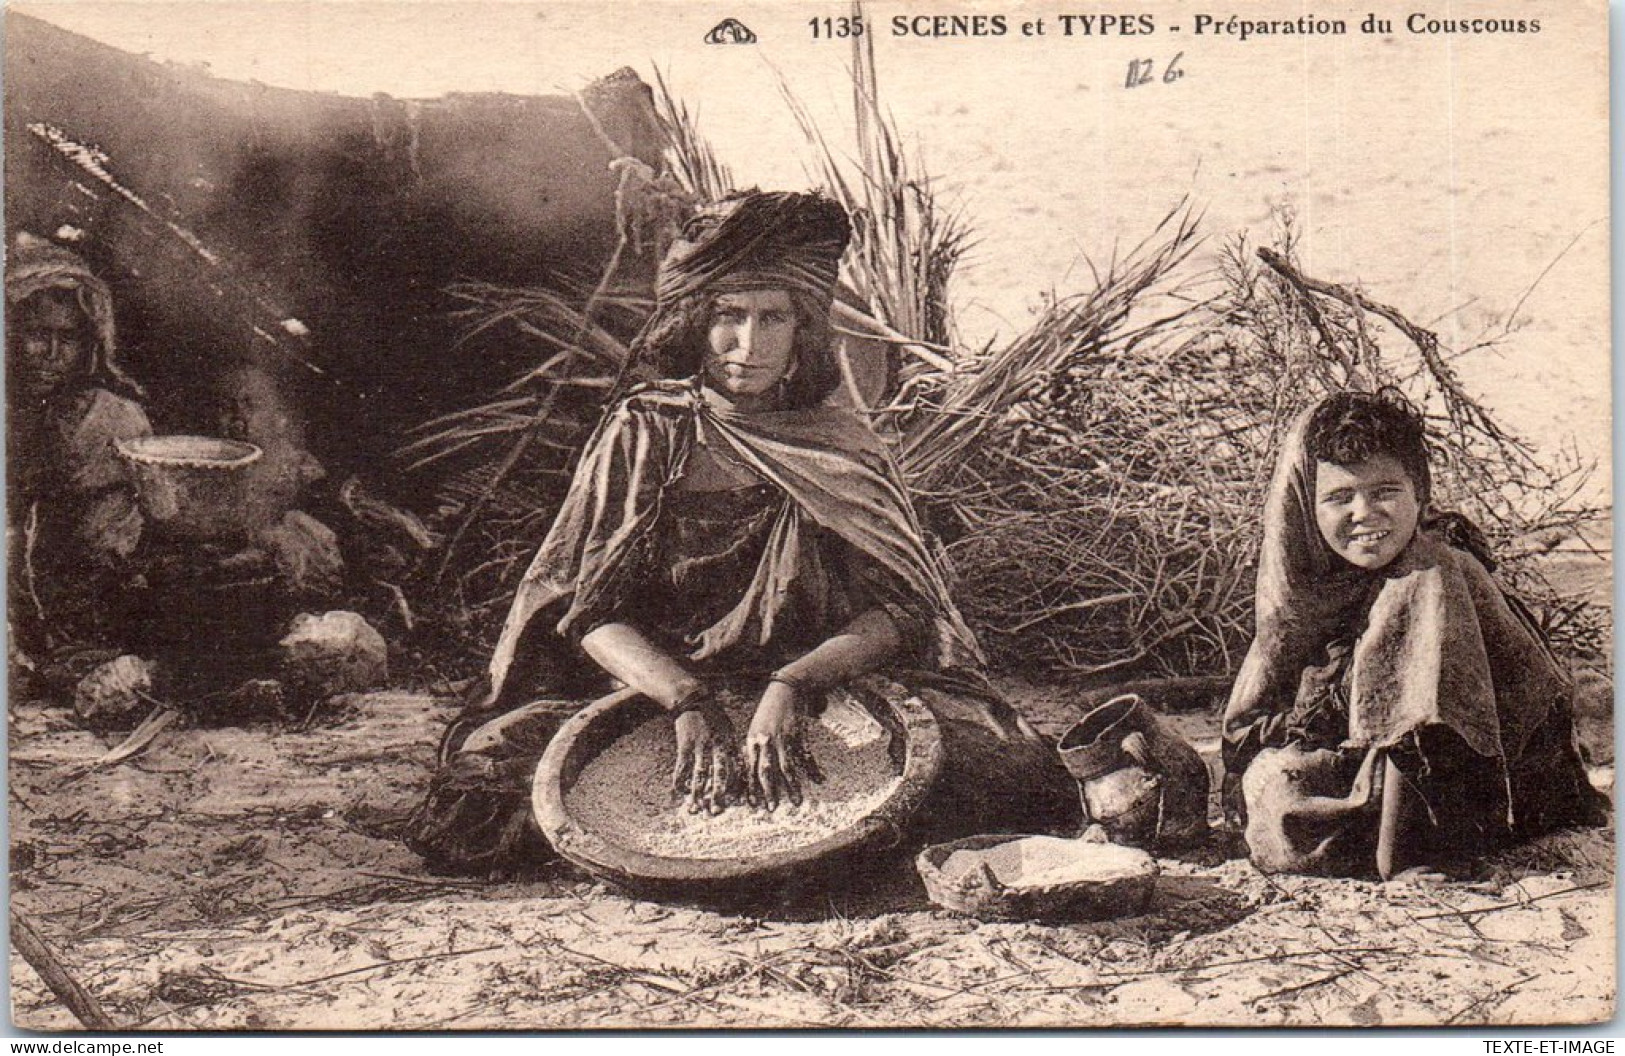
(800, 686)
(694, 699)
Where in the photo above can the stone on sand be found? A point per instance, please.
(110, 696)
(336, 652)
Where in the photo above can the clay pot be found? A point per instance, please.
(191, 487)
(1138, 779)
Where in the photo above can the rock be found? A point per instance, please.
(306, 553)
(109, 697)
(258, 698)
(1037, 878)
(336, 652)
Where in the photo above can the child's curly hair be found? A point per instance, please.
(1353, 427)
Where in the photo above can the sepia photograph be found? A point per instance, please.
(584, 516)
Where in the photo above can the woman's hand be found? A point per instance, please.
(706, 770)
(776, 763)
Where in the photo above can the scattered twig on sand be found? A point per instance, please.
(365, 893)
(426, 881)
(1494, 995)
(121, 913)
(1330, 977)
(623, 973)
(139, 740)
(1337, 943)
(40, 957)
(110, 915)
(302, 984)
(952, 992)
(389, 963)
(1293, 955)
(638, 975)
(1515, 905)
(1437, 901)
(310, 714)
(1001, 953)
(698, 994)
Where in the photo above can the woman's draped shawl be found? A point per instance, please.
(1439, 644)
(834, 472)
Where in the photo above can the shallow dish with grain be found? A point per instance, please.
(602, 799)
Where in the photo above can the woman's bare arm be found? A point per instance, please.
(858, 648)
(775, 766)
(705, 768)
(624, 653)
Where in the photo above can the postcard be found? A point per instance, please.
(747, 515)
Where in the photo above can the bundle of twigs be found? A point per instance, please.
(950, 414)
(1079, 476)
(906, 244)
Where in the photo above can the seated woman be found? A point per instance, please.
(1396, 710)
(726, 526)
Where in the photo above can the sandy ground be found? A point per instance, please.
(248, 878)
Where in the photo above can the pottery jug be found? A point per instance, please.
(1138, 779)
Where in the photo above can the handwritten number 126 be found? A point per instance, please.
(1144, 71)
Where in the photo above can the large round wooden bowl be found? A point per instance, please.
(592, 843)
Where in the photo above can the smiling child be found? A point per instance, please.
(1394, 711)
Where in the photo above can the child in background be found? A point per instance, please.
(71, 514)
(1394, 711)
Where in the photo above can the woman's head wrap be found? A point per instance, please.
(760, 240)
(35, 266)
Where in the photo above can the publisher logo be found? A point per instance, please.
(730, 31)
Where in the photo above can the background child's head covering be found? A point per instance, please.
(1353, 426)
(36, 265)
(1307, 596)
(1432, 642)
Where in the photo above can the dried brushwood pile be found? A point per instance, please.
(1082, 529)
(1099, 481)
